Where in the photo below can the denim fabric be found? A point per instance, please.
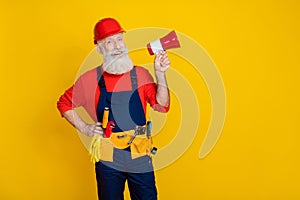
(111, 177)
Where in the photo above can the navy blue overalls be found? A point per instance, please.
(126, 111)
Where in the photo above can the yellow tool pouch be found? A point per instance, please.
(140, 146)
(106, 149)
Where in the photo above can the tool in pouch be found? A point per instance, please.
(107, 127)
(149, 128)
(142, 130)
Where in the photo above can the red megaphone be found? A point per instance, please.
(168, 42)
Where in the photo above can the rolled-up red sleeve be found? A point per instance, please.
(150, 90)
(70, 99)
(65, 101)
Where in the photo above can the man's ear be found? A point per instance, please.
(99, 48)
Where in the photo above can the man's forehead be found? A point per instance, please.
(115, 36)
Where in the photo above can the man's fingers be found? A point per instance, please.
(98, 127)
(94, 129)
(98, 131)
(98, 124)
(163, 59)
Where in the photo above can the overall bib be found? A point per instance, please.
(126, 109)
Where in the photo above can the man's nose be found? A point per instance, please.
(117, 45)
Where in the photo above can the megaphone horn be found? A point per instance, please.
(167, 42)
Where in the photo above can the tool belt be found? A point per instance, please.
(139, 141)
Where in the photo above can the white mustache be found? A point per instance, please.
(119, 51)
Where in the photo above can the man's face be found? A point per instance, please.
(115, 54)
(112, 44)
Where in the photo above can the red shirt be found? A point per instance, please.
(85, 92)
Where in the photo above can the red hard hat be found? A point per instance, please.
(106, 27)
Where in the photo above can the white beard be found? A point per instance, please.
(116, 65)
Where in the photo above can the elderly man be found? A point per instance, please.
(125, 90)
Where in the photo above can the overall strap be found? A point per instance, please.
(133, 79)
(99, 73)
(100, 79)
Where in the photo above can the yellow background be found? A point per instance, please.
(255, 45)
